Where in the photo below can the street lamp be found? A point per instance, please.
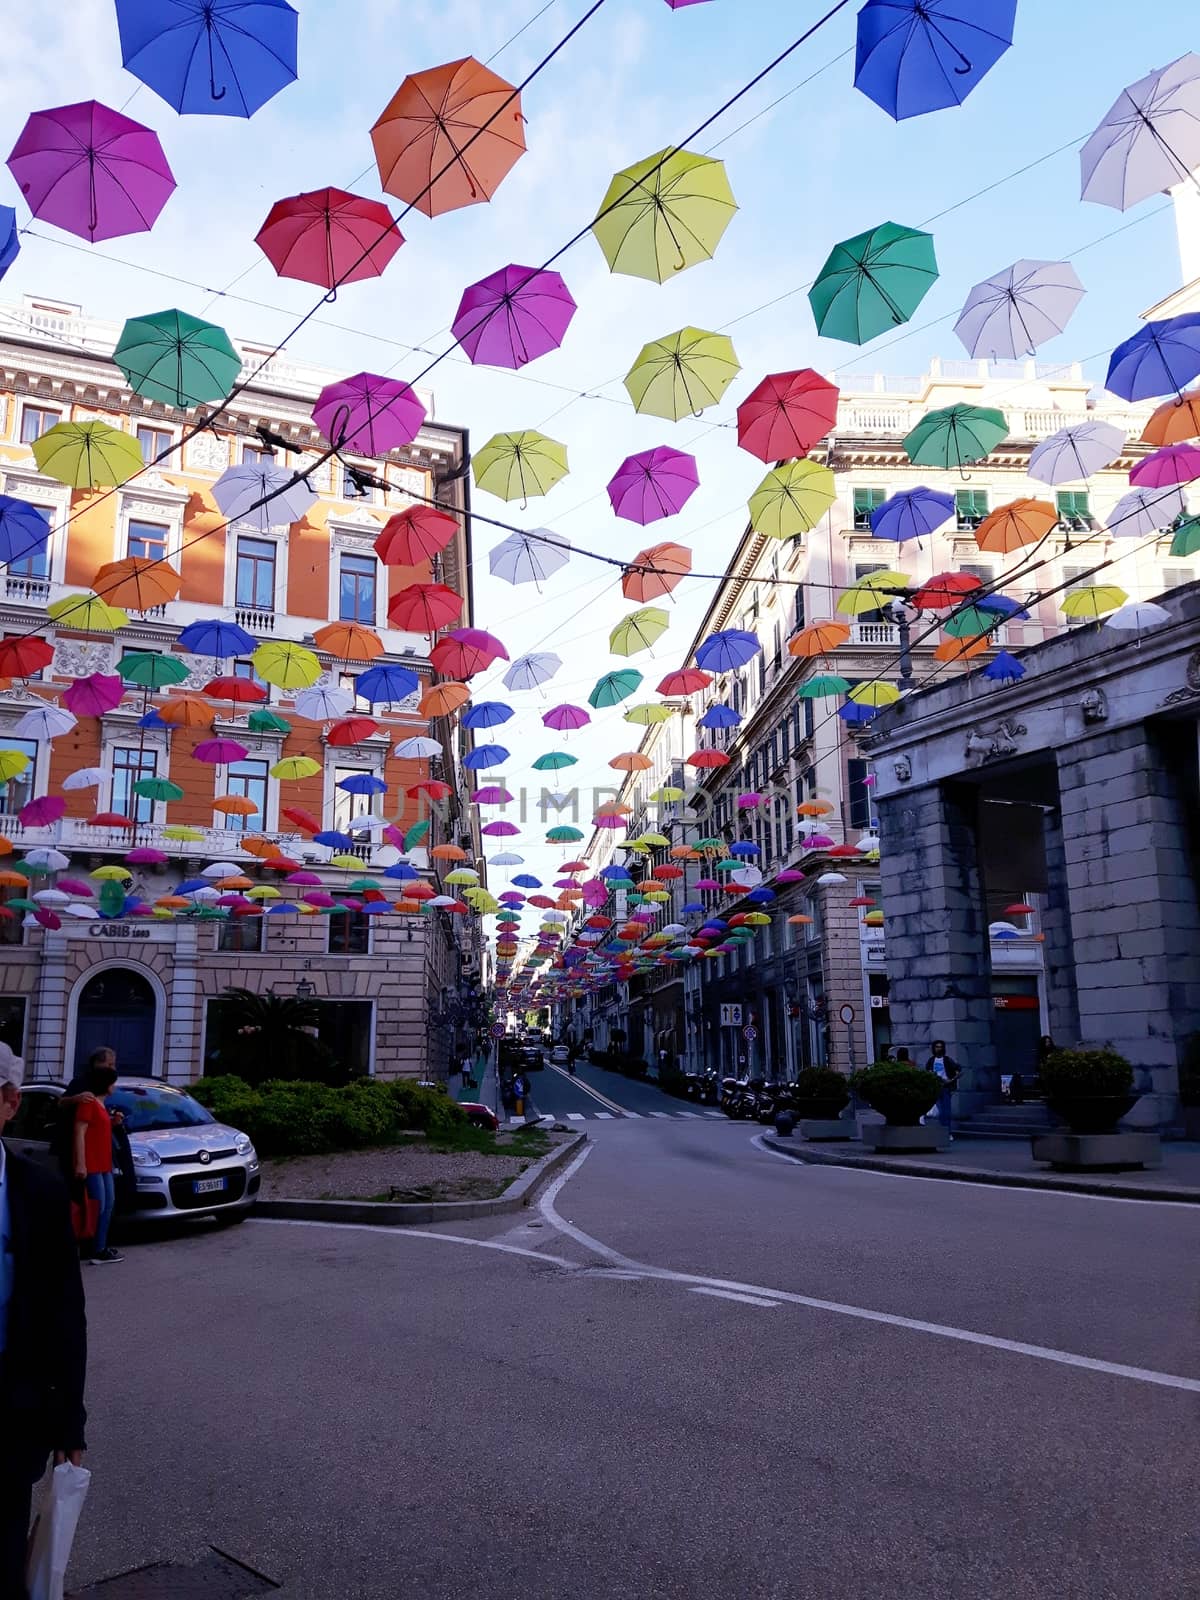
(901, 611)
(305, 990)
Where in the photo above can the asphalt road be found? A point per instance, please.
(695, 1370)
(594, 1094)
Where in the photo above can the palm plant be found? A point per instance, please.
(272, 1036)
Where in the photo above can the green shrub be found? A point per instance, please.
(428, 1110)
(1078, 1074)
(288, 1117)
(821, 1091)
(902, 1094)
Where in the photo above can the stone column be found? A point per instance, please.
(938, 955)
(184, 1023)
(1062, 1000)
(1135, 912)
(49, 1035)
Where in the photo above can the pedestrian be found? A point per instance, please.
(43, 1335)
(948, 1070)
(467, 1069)
(92, 1156)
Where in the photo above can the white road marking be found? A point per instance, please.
(587, 1089)
(416, 1233)
(658, 1113)
(719, 1114)
(1037, 1352)
(603, 1116)
(727, 1294)
(575, 1116)
(693, 1114)
(634, 1114)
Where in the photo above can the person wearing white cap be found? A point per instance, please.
(43, 1334)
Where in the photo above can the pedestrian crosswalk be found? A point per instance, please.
(637, 1116)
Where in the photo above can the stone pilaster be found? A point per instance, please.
(1062, 999)
(181, 1044)
(48, 1055)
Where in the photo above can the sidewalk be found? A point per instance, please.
(1008, 1163)
(485, 1079)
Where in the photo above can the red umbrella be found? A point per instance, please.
(351, 730)
(329, 237)
(235, 689)
(688, 680)
(787, 414)
(302, 819)
(465, 652)
(425, 607)
(22, 656)
(108, 819)
(94, 695)
(945, 589)
(415, 535)
(433, 787)
(708, 758)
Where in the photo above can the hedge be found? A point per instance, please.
(289, 1118)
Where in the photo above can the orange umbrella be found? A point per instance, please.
(1175, 421)
(656, 571)
(349, 641)
(408, 908)
(6, 846)
(631, 761)
(255, 845)
(421, 137)
(614, 808)
(187, 711)
(443, 699)
(173, 902)
(1013, 526)
(238, 881)
(235, 805)
(137, 583)
(13, 880)
(819, 637)
(960, 649)
(447, 852)
(683, 852)
(813, 808)
(799, 920)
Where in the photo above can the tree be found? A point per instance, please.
(273, 1036)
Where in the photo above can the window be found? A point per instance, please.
(972, 507)
(859, 794)
(863, 569)
(1074, 510)
(249, 778)
(246, 669)
(798, 609)
(129, 763)
(357, 584)
(256, 455)
(155, 444)
(349, 934)
(1076, 578)
(20, 790)
(148, 539)
(351, 489)
(36, 565)
(36, 420)
(866, 501)
(1176, 577)
(254, 583)
(243, 934)
(349, 680)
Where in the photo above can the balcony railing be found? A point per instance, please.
(254, 620)
(875, 633)
(34, 591)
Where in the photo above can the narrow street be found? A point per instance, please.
(595, 1094)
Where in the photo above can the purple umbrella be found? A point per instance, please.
(491, 794)
(94, 695)
(92, 171)
(369, 414)
(144, 856)
(565, 719)
(1176, 463)
(513, 316)
(219, 752)
(653, 484)
(500, 830)
(40, 813)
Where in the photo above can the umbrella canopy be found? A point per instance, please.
(385, 682)
(150, 671)
(10, 238)
(1148, 140)
(158, 789)
(137, 583)
(874, 693)
(262, 497)
(465, 651)
(914, 56)
(286, 665)
(349, 641)
(648, 714)
(727, 650)
(1160, 358)
(487, 714)
(529, 557)
(42, 811)
(187, 711)
(1174, 463)
(1013, 526)
(293, 767)
(656, 571)
(955, 435)
(87, 455)
(1075, 453)
(1175, 421)
(638, 631)
(1017, 310)
(566, 719)
(443, 699)
(911, 514)
(792, 499)
(329, 237)
(653, 484)
(512, 465)
(945, 589)
(1003, 668)
(873, 282)
(681, 373)
(425, 607)
(532, 670)
(513, 316)
(94, 695)
(1088, 603)
(1146, 511)
(818, 638)
(353, 730)
(220, 753)
(414, 536)
(1136, 615)
(614, 687)
(421, 139)
(664, 214)
(44, 722)
(24, 529)
(176, 358)
(720, 716)
(554, 761)
(222, 58)
(91, 170)
(787, 414)
(369, 414)
(686, 681)
(320, 703)
(1186, 540)
(216, 638)
(87, 612)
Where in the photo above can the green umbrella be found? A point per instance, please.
(682, 373)
(614, 687)
(638, 631)
(955, 435)
(519, 464)
(664, 214)
(792, 499)
(22, 905)
(564, 835)
(554, 761)
(416, 833)
(873, 282)
(263, 721)
(150, 671)
(970, 621)
(156, 789)
(823, 687)
(177, 358)
(1186, 539)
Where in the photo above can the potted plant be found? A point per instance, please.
(902, 1094)
(1091, 1089)
(819, 1096)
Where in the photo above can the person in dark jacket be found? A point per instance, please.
(43, 1335)
(948, 1070)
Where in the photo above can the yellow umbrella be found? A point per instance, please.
(667, 795)
(352, 863)
(296, 767)
(875, 694)
(649, 714)
(87, 455)
(182, 834)
(886, 580)
(88, 612)
(637, 632)
(792, 499)
(12, 764)
(656, 840)
(1090, 603)
(681, 373)
(664, 214)
(859, 599)
(463, 875)
(755, 919)
(287, 666)
(263, 891)
(518, 465)
(111, 874)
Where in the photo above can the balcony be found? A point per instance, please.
(875, 633)
(30, 591)
(75, 834)
(254, 620)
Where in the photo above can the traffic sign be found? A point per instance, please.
(731, 1016)
(847, 1014)
(749, 1033)
(497, 1030)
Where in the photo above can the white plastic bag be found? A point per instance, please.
(54, 1532)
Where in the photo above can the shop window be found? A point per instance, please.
(243, 935)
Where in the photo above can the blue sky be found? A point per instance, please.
(822, 164)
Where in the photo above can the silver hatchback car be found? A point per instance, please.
(185, 1163)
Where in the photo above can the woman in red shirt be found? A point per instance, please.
(94, 1155)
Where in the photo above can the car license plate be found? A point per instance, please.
(208, 1185)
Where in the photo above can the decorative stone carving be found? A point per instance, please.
(314, 469)
(903, 769)
(201, 670)
(1191, 685)
(993, 744)
(207, 451)
(1094, 706)
(408, 481)
(79, 658)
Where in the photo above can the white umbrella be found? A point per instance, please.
(1136, 614)
(205, 896)
(1076, 452)
(529, 557)
(507, 858)
(1146, 511)
(52, 897)
(832, 877)
(77, 908)
(440, 900)
(221, 869)
(46, 856)
(1149, 140)
(85, 778)
(416, 749)
(323, 703)
(365, 824)
(262, 497)
(527, 672)
(1014, 312)
(47, 722)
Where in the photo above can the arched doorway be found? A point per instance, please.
(117, 1008)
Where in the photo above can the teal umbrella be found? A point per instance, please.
(614, 687)
(955, 435)
(968, 622)
(177, 358)
(149, 671)
(823, 687)
(873, 282)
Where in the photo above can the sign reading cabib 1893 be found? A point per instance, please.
(117, 930)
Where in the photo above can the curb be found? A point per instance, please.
(1114, 1188)
(399, 1214)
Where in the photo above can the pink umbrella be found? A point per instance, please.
(816, 841)
(707, 883)
(47, 918)
(92, 171)
(93, 696)
(789, 875)
(316, 897)
(787, 414)
(748, 801)
(306, 879)
(75, 886)
(394, 836)
(329, 237)
(144, 856)
(232, 900)
(500, 830)
(219, 752)
(565, 719)
(369, 414)
(513, 316)
(492, 794)
(463, 652)
(609, 822)
(653, 484)
(40, 813)
(1176, 463)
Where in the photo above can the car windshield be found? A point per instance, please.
(150, 1107)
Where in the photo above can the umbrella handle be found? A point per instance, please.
(214, 92)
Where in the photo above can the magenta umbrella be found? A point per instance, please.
(513, 316)
(500, 830)
(610, 822)
(219, 752)
(492, 794)
(92, 171)
(369, 414)
(144, 856)
(748, 801)
(94, 695)
(1176, 463)
(816, 841)
(40, 813)
(75, 886)
(565, 719)
(653, 484)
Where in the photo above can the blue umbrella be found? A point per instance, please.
(376, 908)
(1003, 668)
(1159, 359)
(916, 56)
(386, 683)
(334, 839)
(744, 847)
(282, 909)
(487, 714)
(853, 712)
(153, 720)
(693, 908)
(24, 529)
(486, 755)
(526, 881)
(1001, 605)
(725, 652)
(911, 514)
(402, 871)
(605, 872)
(362, 783)
(719, 716)
(761, 895)
(192, 884)
(10, 241)
(212, 637)
(221, 58)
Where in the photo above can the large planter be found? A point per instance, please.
(820, 1110)
(1090, 1152)
(828, 1129)
(1093, 1113)
(894, 1139)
